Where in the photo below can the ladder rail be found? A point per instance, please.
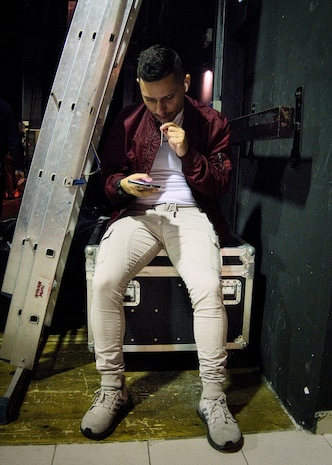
(125, 35)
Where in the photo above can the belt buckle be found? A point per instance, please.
(170, 207)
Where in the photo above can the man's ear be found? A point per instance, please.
(186, 84)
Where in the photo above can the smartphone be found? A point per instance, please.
(147, 185)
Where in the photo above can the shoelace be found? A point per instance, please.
(218, 409)
(104, 398)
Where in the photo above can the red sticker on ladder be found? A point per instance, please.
(40, 289)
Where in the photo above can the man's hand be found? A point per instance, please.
(137, 191)
(176, 137)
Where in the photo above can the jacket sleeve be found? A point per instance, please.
(115, 163)
(207, 164)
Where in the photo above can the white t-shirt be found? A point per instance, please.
(166, 171)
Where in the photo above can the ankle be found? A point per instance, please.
(212, 391)
(112, 382)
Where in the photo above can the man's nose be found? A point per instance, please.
(160, 108)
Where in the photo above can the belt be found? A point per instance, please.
(166, 207)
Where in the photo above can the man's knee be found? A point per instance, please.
(205, 289)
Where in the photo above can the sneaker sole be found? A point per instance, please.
(122, 413)
(229, 446)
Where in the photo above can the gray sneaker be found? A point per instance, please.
(107, 410)
(223, 431)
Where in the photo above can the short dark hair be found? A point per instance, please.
(157, 62)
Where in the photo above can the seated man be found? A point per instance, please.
(168, 140)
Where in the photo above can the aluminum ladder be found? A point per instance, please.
(81, 94)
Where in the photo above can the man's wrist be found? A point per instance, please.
(182, 151)
(120, 191)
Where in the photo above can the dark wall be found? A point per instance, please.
(285, 212)
(11, 54)
(31, 39)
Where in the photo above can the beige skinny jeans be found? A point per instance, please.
(128, 246)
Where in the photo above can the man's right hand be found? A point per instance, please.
(137, 191)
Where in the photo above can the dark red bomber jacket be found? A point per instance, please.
(133, 143)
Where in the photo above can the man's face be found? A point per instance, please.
(163, 98)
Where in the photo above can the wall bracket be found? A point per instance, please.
(281, 122)
(295, 153)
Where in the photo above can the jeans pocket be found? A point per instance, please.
(103, 246)
(215, 256)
